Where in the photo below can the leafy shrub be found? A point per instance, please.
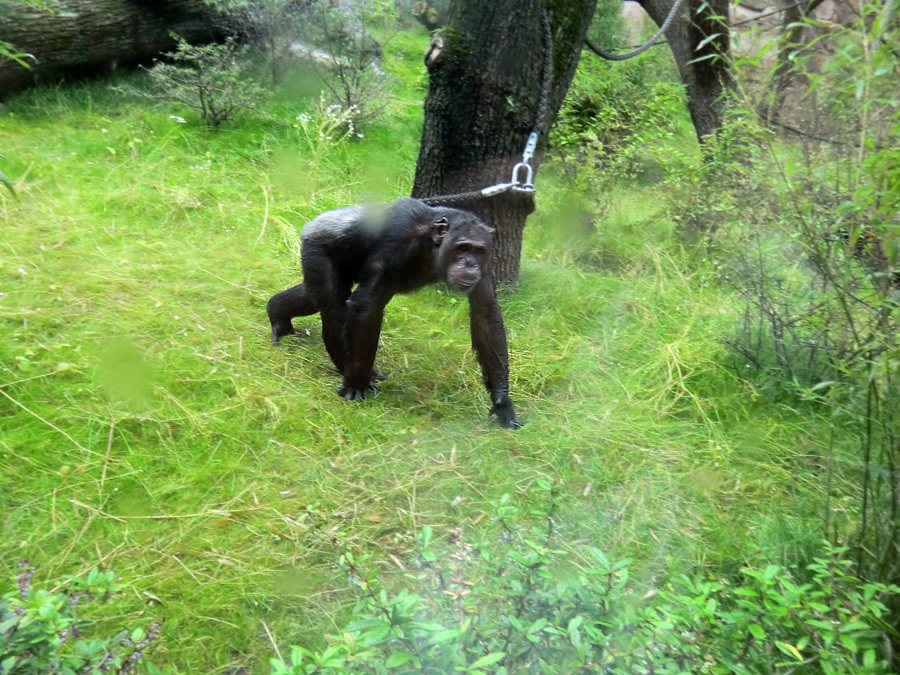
(612, 115)
(517, 602)
(207, 78)
(351, 73)
(269, 26)
(806, 231)
(616, 123)
(43, 631)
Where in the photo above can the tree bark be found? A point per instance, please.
(484, 91)
(87, 38)
(705, 71)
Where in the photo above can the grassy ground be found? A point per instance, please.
(149, 426)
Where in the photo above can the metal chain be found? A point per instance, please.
(516, 182)
(612, 56)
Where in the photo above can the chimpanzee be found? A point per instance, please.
(385, 250)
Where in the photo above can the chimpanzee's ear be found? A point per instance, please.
(439, 230)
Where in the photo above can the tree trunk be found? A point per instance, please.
(484, 91)
(86, 38)
(791, 36)
(705, 72)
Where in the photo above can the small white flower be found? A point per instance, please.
(178, 119)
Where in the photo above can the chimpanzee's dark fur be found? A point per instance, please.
(385, 250)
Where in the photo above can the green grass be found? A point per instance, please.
(149, 426)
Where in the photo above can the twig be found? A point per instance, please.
(812, 6)
(95, 510)
(112, 426)
(265, 215)
(823, 139)
(212, 618)
(49, 424)
(272, 640)
(27, 379)
(211, 512)
(230, 283)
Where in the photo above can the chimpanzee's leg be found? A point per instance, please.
(284, 306)
(329, 291)
(365, 313)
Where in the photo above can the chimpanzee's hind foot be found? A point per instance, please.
(279, 331)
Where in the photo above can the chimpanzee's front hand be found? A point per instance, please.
(355, 393)
(505, 414)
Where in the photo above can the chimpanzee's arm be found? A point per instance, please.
(489, 343)
(365, 313)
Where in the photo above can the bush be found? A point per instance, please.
(270, 27)
(207, 78)
(518, 602)
(351, 73)
(43, 631)
(806, 231)
(614, 114)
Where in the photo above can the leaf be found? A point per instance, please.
(493, 657)
(519, 558)
(849, 642)
(443, 636)
(869, 658)
(705, 41)
(757, 631)
(397, 659)
(537, 625)
(357, 626)
(790, 650)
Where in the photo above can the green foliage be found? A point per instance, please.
(8, 51)
(607, 26)
(12, 8)
(45, 631)
(208, 78)
(270, 26)
(806, 231)
(519, 601)
(136, 265)
(616, 112)
(616, 126)
(349, 65)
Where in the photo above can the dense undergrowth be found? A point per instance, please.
(150, 428)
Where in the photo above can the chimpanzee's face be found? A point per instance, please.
(465, 243)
